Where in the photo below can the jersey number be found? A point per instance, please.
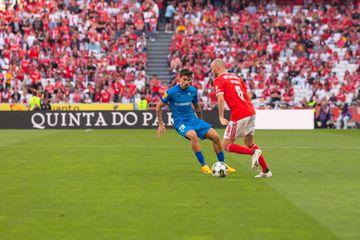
(182, 127)
(239, 92)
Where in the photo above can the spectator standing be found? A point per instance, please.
(344, 117)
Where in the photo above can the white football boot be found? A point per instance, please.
(264, 175)
(255, 159)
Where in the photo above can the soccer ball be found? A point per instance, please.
(219, 169)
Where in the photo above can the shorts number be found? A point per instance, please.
(182, 127)
(240, 93)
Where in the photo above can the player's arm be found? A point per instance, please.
(161, 128)
(249, 95)
(247, 90)
(198, 110)
(221, 108)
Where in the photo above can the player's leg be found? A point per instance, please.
(346, 120)
(194, 140)
(249, 142)
(205, 130)
(244, 128)
(234, 130)
(215, 139)
(231, 146)
(195, 145)
(338, 122)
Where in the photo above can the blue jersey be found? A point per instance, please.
(180, 102)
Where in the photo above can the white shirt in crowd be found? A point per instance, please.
(139, 83)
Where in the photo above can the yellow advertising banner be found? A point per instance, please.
(74, 107)
(92, 107)
(13, 107)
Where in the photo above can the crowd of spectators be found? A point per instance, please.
(75, 51)
(290, 53)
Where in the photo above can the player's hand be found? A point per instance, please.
(161, 130)
(224, 121)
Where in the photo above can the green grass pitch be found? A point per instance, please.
(127, 184)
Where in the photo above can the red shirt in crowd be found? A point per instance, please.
(35, 76)
(341, 97)
(162, 90)
(49, 88)
(25, 65)
(34, 52)
(117, 88)
(105, 96)
(59, 85)
(132, 89)
(77, 97)
(155, 85)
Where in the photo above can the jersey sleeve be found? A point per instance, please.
(165, 98)
(219, 86)
(245, 89)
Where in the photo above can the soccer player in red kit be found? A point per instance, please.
(231, 89)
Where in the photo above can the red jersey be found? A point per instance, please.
(59, 86)
(235, 94)
(34, 52)
(77, 97)
(105, 96)
(49, 88)
(117, 88)
(35, 76)
(155, 85)
(132, 88)
(341, 97)
(162, 90)
(25, 65)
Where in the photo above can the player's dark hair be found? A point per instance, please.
(186, 72)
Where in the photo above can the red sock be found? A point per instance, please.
(236, 148)
(262, 162)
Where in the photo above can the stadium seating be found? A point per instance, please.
(291, 47)
(70, 44)
(70, 51)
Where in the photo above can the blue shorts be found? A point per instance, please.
(199, 126)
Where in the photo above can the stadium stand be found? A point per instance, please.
(58, 47)
(289, 52)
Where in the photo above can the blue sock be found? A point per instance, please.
(220, 156)
(200, 158)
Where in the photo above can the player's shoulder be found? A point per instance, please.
(193, 89)
(231, 76)
(172, 89)
(222, 77)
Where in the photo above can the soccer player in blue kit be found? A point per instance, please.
(181, 98)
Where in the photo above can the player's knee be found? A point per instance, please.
(248, 142)
(225, 146)
(193, 137)
(215, 138)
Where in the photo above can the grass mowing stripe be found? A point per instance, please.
(128, 192)
(9, 137)
(96, 198)
(320, 181)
